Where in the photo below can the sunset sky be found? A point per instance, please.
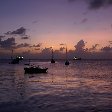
(41, 24)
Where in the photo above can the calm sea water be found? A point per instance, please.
(83, 86)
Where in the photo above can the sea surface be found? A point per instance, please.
(83, 86)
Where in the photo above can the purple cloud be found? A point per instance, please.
(80, 46)
(71, 1)
(25, 37)
(84, 20)
(106, 49)
(22, 45)
(62, 48)
(20, 31)
(96, 4)
(8, 43)
(94, 47)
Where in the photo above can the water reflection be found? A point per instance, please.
(80, 86)
(12, 84)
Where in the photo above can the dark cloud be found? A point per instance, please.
(46, 53)
(20, 31)
(1, 36)
(8, 33)
(8, 43)
(38, 45)
(25, 37)
(34, 22)
(80, 46)
(71, 1)
(110, 42)
(46, 50)
(110, 2)
(62, 44)
(96, 4)
(106, 49)
(94, 47)
(22, 45)
(62, 48)
(84, 20)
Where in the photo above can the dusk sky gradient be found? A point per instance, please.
(52, 22)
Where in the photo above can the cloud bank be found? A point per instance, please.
(96, 4)
(21, 32)
(8, 43)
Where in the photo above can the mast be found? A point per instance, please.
(66, 62)
(52, 54)
(66, 53)
(52, 57)
(12, 55)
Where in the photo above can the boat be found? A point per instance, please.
(66, 62)
(76, 58)
(52, 59)
(16, 60)
(35, 69)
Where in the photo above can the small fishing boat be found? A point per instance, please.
(15, 60)
(35, 69)
(66, 62)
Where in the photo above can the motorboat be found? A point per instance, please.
(35, 69)
(16, 60)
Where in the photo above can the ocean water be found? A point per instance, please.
(83, 86)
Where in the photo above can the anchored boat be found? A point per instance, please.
(35, 69)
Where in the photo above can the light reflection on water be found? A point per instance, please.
(82, 86)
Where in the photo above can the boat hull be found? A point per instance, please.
(52, 61)
(35, 70)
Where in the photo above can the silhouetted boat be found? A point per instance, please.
(35, 69)
(76, 58)
(52, 59)
(16, 60)
(66, 62)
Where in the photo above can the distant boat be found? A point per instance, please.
(16, 60)
(66, 62)
(35, 69)
(52, 59)
(76, 58)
